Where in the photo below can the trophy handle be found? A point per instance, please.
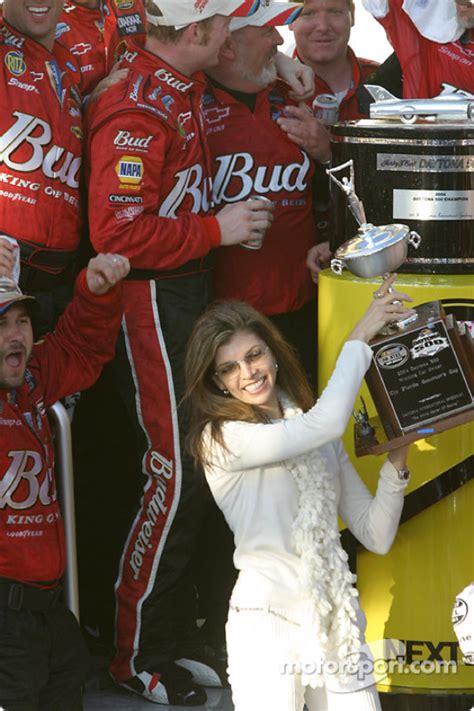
(406, 321)
(347, 185)
(414, 239)
(337, 266)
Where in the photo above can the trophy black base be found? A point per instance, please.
(377, 442)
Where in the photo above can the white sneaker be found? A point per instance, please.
(171, 687)
(203, 674)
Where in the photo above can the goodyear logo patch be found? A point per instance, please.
(15, 63)
(125, 4)
(130, 171)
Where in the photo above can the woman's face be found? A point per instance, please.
(245, 366)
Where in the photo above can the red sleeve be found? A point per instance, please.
(406, 42)
(123, 27)
(71, 358)
(124, 209)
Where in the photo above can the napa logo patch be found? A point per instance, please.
(130, 172)
(15, 63)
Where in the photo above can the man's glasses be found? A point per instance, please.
(232, 368)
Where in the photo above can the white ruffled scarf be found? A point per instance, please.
(331, 630)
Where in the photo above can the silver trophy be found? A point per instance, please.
(376, 250)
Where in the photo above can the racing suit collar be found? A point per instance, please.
(167, 73)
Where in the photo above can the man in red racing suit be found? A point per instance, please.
(40, 161)
(426, 64)
(41, 650)
(253, 157)
(322, 33)
(150, 193)
(81, 29)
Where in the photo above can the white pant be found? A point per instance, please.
(263, 652)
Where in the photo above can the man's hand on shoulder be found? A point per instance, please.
(107, 82)
(104, 271)
(299, 76)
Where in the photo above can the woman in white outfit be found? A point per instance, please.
(277, 468)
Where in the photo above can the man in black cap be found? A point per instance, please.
(42, 660)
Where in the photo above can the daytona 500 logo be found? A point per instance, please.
(34, 133)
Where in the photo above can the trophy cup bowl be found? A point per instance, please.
(375, 251)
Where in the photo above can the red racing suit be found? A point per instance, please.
(149, 198)
(425, 64)
(349, 108)
(41, 138)
(81, 30)
(70, 359)
(148, 164)
(251, 155)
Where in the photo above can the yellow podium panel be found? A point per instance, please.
(408, 594)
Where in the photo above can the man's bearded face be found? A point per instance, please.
(465, 10)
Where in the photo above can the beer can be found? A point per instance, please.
(257, 241)
(16, 254)
(326, 109)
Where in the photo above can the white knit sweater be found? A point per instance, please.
(255, 489)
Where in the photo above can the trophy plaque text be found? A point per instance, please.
(421, 381)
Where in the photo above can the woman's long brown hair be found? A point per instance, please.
(204, 401)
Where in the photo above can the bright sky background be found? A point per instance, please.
(367, 38)
(365, 27)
